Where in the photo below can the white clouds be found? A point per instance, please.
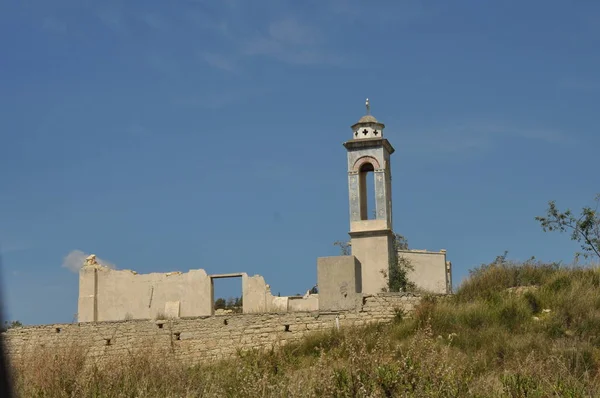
(113, 19)
(219, 61)
(262, 46)
(281, 38)
(75, 259)
(229, 34)
(392, 12)
(289, 31)
(478, 136)
(548, 135)
(153, 20)
(121, 21)
(206, 22)
(221, 98)
(290, 41)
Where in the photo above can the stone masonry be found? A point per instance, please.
(203, 338)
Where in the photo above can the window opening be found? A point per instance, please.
(367, 192)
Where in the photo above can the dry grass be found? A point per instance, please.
(484, 342)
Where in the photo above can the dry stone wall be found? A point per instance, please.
(202, 338)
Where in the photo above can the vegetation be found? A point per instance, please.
(9, 325)
(345, 247)
(232, 303)
(513, 329)
(399, 267)
(584, 229)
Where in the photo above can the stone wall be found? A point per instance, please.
(202, 338)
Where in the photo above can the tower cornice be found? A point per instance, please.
(369, 143)
(368, 121)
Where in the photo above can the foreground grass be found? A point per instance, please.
(488, 340)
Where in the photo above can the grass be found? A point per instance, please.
(488, 340)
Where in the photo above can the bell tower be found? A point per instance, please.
(370, 234)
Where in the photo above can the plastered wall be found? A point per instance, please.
(373, 251)
(114, 295)
(106, 294)
(339, 280)
(204, 338)
(430, 270)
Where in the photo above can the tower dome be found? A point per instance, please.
(367, 126)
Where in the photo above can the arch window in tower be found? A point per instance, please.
(366, 184)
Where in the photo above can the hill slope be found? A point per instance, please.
(511, 330)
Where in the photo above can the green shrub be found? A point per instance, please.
(519, 385)
(487, 280)
(514, 314)
(533, 302)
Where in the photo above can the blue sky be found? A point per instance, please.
(167, 136)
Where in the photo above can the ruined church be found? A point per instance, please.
(112, 295)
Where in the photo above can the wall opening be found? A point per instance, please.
(367, 192)
(226, 293)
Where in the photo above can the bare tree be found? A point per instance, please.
(344, 247)
(584, 229)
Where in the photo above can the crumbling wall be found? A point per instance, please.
(257, 295)
(309, 302)
(258, 299)
(204, 338)
(112, 295)
(279, 304)
(107, 294)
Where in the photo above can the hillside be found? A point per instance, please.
(527, 329)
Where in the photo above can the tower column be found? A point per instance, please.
(355, 195)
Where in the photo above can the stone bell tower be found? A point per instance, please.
(370, 234)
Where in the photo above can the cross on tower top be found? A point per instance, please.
(367, 125)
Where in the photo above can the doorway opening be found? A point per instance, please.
(226, 294)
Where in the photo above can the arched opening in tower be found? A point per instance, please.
(367, 192)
